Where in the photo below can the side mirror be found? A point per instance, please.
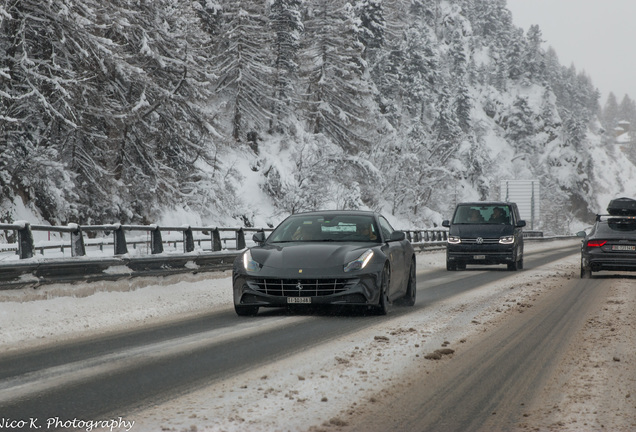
(446, 223)
(520, 223)
(581, 234)
(259, 237)
(397, 236)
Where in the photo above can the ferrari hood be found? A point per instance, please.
(307, 255)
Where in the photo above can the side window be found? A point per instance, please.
(386, 228)
(515, 211)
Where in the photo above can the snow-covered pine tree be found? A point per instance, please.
(241, 63)
(337, 100)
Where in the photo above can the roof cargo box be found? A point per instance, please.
(622, 207)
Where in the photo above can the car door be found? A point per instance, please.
(395, 251)
(518, 231)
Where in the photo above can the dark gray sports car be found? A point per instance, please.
(328, 257)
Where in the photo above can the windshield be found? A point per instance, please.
(482, 214)
(313, 228)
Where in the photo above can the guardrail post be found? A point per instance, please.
(216, 240)
(25, 241)
(188, 240)
(156, 242)
(119, 239)
(240, 239)
(77, 242)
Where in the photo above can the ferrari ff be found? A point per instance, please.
(352, 258)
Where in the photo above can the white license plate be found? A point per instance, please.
(298, 299)
(479, 257)
(623, 248)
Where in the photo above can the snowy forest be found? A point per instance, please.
(241, 112)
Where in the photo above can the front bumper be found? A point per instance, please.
(482, 254)
(275, 291)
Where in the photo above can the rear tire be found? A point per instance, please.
(246, 310)
(586, 272)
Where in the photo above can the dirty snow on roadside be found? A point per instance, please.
(594, 388)
(315, 390)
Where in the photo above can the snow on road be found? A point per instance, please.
(315, 390)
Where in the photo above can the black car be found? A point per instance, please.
(352, 258)
(611, 243)
(485, 233)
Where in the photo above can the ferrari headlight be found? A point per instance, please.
(507, 239)
(360, 262)
(248, 262)
(454, 239)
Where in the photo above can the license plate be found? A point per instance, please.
(479, 257)
(298, 299)
(623, 248)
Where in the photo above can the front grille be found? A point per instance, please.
(484, 241)
(300, 287)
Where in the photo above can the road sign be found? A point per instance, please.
(526, 193)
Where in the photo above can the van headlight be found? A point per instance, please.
(454, 240)
(507, 239)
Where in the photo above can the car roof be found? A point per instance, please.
(486, 203)
(337, 212)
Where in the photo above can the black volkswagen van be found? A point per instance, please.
(485, 233)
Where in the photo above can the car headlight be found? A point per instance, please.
(507, 239)
(360, 262)
(248, 262)
(454, 239)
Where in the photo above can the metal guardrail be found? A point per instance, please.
(32, 270)
(26, 248)
(29, 269)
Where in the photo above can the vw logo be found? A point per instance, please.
(479, 240)
(299, 286)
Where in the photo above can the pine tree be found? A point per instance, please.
(286, 22)
(610, 113)
(627, 110)
(372, 23)
(336, 96)
(242, 65)
(533, 57)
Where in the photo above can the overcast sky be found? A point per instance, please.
(597, 36)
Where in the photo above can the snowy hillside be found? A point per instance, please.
(234, 112)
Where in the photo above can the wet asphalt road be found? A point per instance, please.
(117, 373)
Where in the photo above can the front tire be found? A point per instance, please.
(411, 287)
(513, 266)
(383, 304)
